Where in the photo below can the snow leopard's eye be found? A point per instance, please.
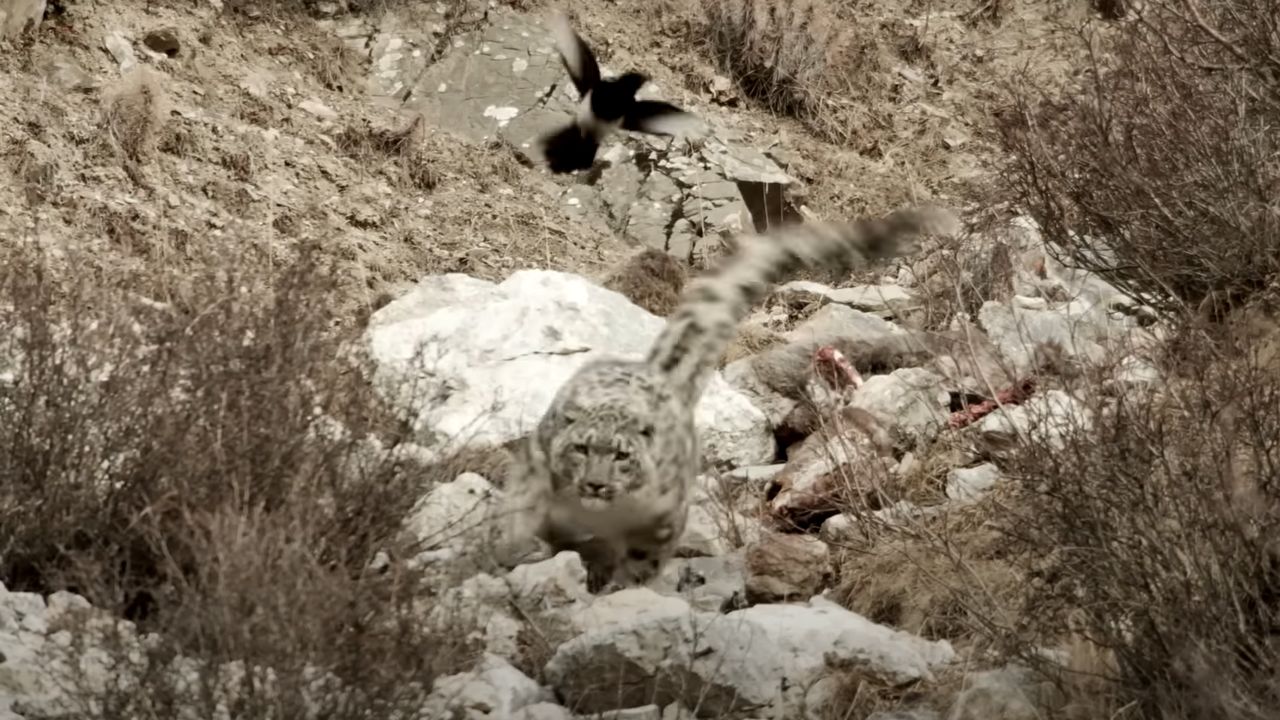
(646, 432)
(621, 455)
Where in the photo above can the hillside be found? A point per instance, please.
(286, 281)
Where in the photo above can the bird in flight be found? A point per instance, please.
(604, 106)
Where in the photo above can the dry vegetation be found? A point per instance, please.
(1144, 546)
(170, 462)
(160, 451)
(652, 279)
(1153, 534)
(1159, 170)
(258, 132)
(878, 104)
(796, 58)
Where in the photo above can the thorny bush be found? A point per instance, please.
(1160, 171)
(1150, 537)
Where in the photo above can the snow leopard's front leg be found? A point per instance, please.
(647, 551)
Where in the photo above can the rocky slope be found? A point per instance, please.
(749, 622)
(402, 143)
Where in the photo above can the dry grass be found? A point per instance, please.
(797, 58)
(958, 278)
(1159, 172)
(134, 112)
(168, 460)
(1158, 524)
(400, 154)
(652, 279)
(927, 579)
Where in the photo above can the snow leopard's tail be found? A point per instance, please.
(699, 331)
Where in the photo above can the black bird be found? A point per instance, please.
(604, 106)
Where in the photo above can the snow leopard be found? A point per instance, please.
(608, 469)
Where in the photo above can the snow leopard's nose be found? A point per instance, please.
(595, 488)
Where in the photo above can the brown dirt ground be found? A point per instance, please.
(933, 85)
(233, 157)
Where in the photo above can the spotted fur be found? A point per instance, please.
(607, 472)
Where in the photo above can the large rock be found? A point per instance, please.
(543, 711)
(911, 404)
(1009, 693)
(867, 298)
(504, 80)
(715, 525)
(1049, 419)
(640, 647)
(1021, 330)
(479, 609)
(714, 584)
(554, 582)
(835, 321)
(493, 689)
(473, 362)
(780, 377)
(454, 515)
(967, 484)
(1038, 273)
(785, 567)
(55, 651)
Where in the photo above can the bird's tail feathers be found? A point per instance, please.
(569, 149)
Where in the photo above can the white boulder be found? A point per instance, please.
(455, 514)
(910, 403)
(493, 689)
(968, 484)
(1048, 418)
(478, 363)
(637, 646)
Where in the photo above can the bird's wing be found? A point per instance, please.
(661, 118)
(578, 58)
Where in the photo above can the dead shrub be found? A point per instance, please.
(240, 163)
(373, 146)
(937, 580)
(955, 280)
(336, 65)
(1160, 172)
(796, 58)
(175, 462)
(134, 112)
(652, 279)
(1149, 537)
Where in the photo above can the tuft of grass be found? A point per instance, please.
(652, 279)
(134, 112)
(399, 153)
